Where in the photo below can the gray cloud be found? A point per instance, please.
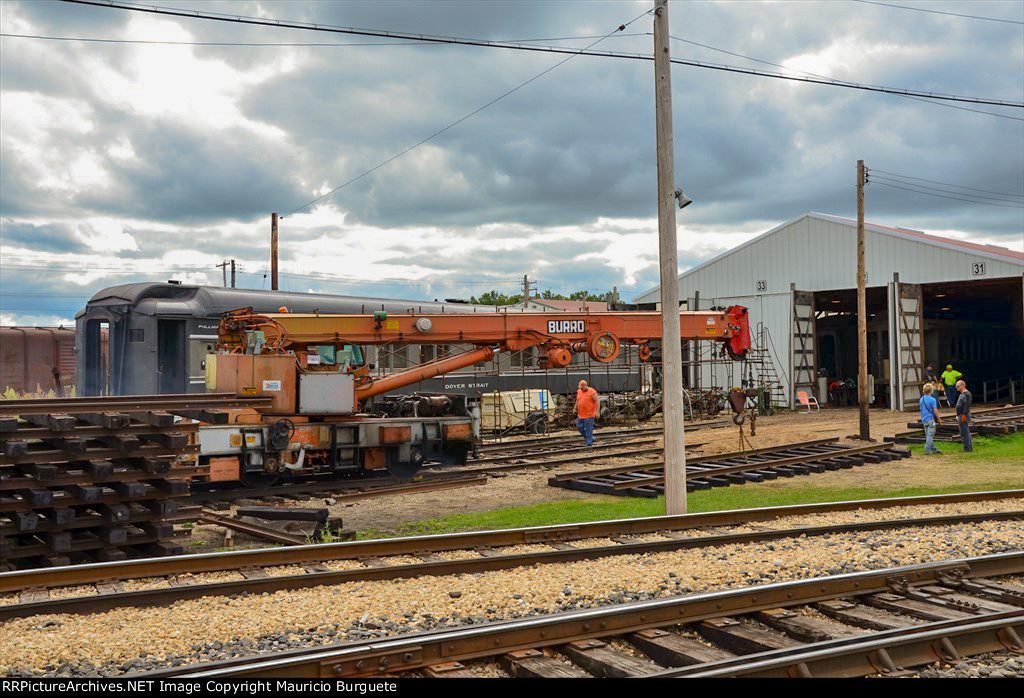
(573, 146)
(51, 237)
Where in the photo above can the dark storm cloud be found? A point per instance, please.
(202, 176)
(50, 237)
(533, 257)
(571, 147)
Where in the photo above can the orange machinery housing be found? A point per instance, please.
(316, 414)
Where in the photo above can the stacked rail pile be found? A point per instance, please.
(994, 421)
(95, 479)
(705, 472)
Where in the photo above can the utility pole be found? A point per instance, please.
(862, 315)
(224, 271)
(526, 289)
(273, 251)
(671, 351)
(232, 273)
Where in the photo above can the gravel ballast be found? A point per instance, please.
(204, 629)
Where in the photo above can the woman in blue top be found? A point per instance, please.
(929, 418)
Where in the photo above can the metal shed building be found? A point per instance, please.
(930, 299)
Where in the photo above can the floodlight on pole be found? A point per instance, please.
(683, 199)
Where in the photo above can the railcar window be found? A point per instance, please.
(331, 355)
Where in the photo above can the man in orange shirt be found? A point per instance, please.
(586, 411)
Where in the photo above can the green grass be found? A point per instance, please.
(328, 534)
(992, 450)
(988, 452)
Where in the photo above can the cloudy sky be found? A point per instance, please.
(147, 161)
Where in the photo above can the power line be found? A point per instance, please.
(944, 191)
(195, 14)
(827, 77)
(518, 87)
(943, 196)
(207, 43)
(5, 294)
(948, 184)
(268, 43)
(938, 12)
(327, 276)
(324, 276)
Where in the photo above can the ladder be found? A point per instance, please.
(762, 366)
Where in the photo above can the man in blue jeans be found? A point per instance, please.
(963, 415)
(929, 418)
(586, 412)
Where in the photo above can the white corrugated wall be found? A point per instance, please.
(818, 253)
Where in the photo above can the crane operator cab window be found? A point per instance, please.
(331, 355)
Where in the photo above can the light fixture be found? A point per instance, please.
(837, 301)
(946, 308)
(940, 295)
(683, 199)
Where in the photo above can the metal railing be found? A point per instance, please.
(1002, 390)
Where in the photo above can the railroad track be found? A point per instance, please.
(496, 458)
(573, 439)
(600, 436)
(737, 468)
(883, 622)
(993, 421)
(102, 586)
(341, 490)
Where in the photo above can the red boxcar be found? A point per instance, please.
(33, 358)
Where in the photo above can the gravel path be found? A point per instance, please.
(131, 639)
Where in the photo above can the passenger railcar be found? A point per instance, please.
(160, 334)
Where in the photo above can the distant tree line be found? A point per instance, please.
(494, 298)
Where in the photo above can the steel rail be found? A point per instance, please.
(211, 517)
(128, 403)
(414, 651)
(262, 584)
(577, 458)
(995, 410)
(756, 465)
(431, 485)
(371, 487)
(55, 456)
(73, 575)
(878, 653)
(697, 460)
(591, 452)
(567, 438)
(599, 435)
(568, 446)
(91, 432)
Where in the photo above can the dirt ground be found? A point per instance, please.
(526, 487)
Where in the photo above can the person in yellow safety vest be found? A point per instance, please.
(949, 378)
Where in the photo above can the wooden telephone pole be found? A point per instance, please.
(862, 314)
(273, 251)
(671, 351)
(527, 287)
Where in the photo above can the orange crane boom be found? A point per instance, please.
(560, 334)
